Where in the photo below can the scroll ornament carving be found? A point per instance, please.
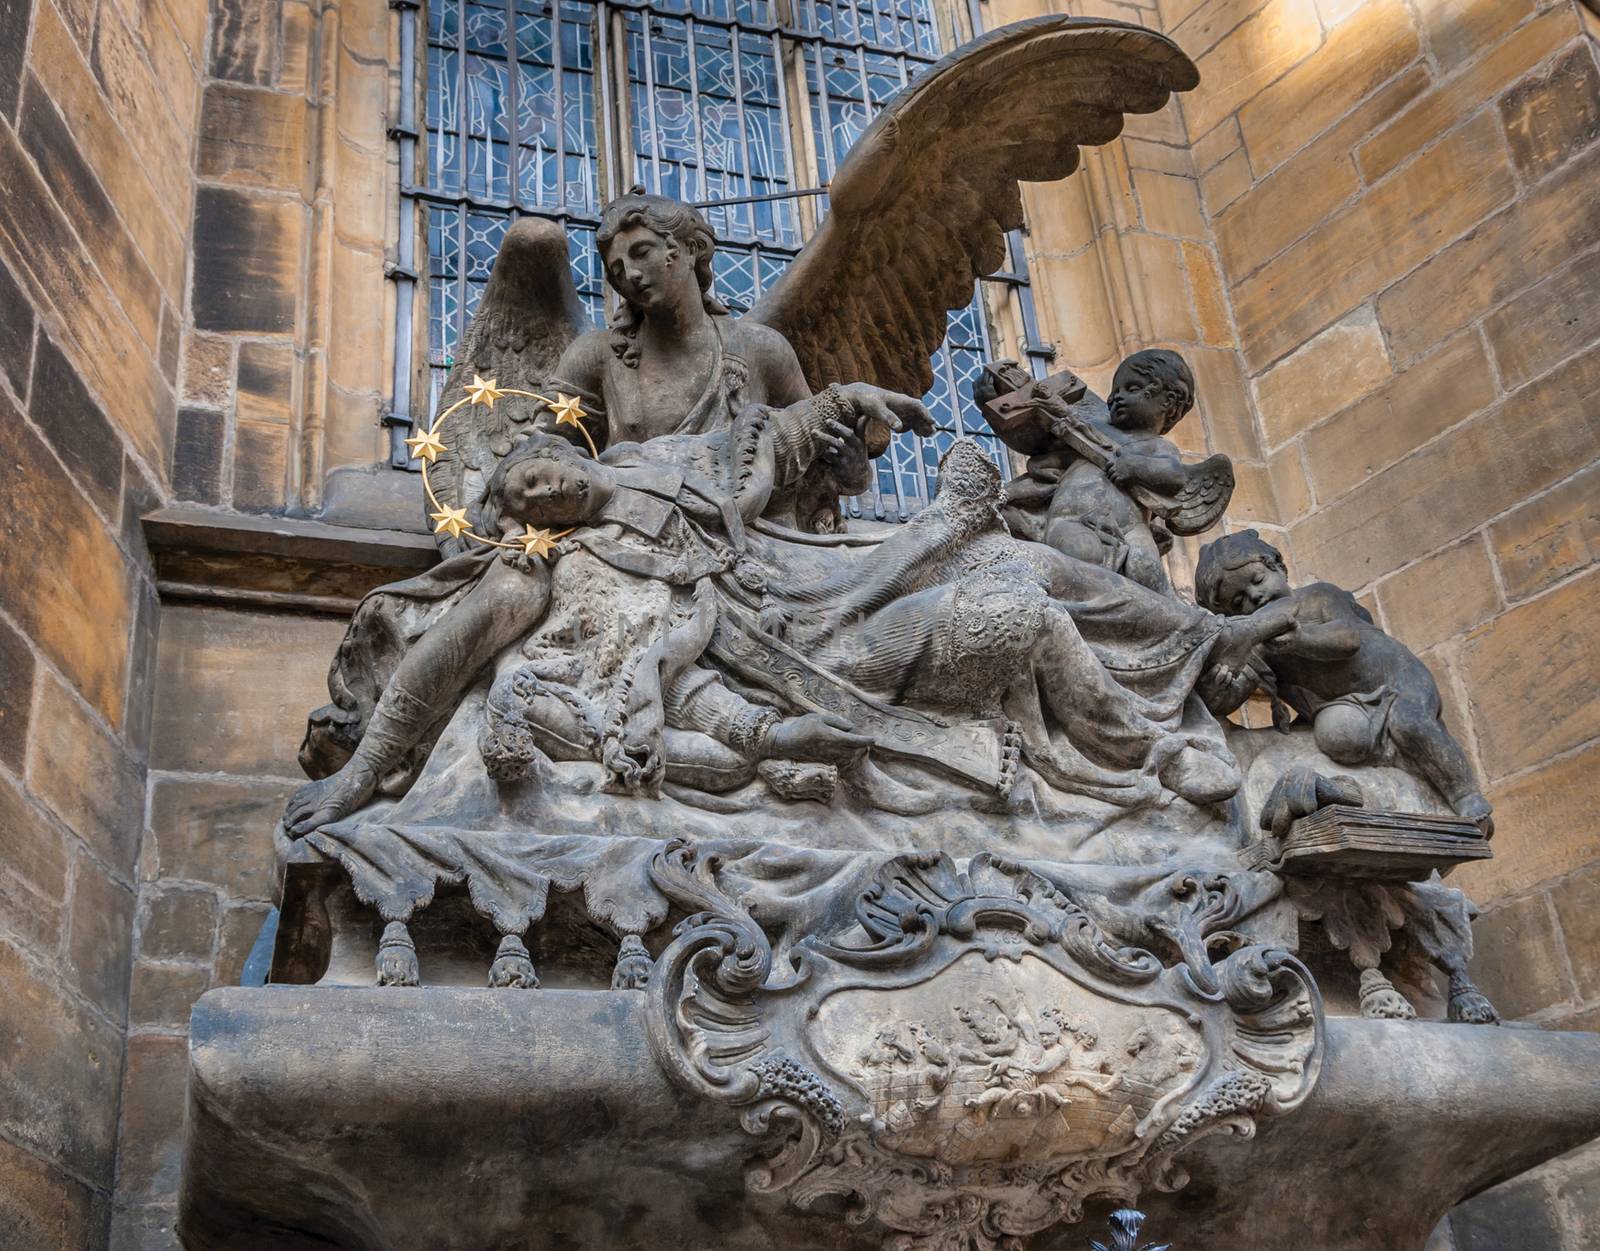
(965, 1058)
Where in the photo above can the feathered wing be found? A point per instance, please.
(527, 316)
(1207, 488)
(921, 206)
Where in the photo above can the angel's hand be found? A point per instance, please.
(1121, 469)
(897, 412)
(841, 444)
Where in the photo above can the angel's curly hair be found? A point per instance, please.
(682, 226)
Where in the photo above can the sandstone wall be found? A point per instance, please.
(99, 106)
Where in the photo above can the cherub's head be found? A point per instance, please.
(1238, 573)
(1150, 392)
(546, 482)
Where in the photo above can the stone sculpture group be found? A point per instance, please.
(928, 844)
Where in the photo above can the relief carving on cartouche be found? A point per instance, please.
(967, 1059)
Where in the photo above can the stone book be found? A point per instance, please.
(1367, 843)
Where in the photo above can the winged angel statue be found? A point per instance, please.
(675, 636)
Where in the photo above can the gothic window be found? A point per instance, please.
(744, 107)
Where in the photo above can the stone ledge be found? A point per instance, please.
(454, 1119)
(208, 555)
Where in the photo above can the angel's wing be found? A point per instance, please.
(1207, 488)
(920, 207)
(528, 314)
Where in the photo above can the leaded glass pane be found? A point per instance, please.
(706, 108)
(512, 129)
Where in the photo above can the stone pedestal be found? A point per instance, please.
(461, 1120)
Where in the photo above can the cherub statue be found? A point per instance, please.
(1367, 697)
(1103, 483)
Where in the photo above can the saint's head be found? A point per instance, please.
(1239, 573)
(546, 481)
(1150, 392)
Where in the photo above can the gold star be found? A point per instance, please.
(483, 391)
(536, 542)
(568, 410)
(426, 446)
(451, 521)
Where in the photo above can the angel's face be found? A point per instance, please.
(1138, 402)
(553, 492)
(644, 267)
(1254, 586)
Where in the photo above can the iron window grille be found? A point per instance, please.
(744, 107)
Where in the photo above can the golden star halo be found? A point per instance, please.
(568, 410)
(451, 521)
(483, 391)
(538, 542)
(426, 446)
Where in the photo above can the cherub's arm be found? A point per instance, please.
(1154, 464)
(1326, 626)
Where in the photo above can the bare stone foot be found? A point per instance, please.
(1468, 1004)
(397, 957)
(330, 799)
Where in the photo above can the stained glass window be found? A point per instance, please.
(550, 107)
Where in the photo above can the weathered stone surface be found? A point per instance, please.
(234, 687)
(100, 938)
(163, 994)
(82, 774)
(1339, 366)
(1162, 157)
(139, 99)
(32, 845)
(171, 344)
(1506, 255)
(247, 261)
(1547, 323)
(178, 923)
(197, 454)
(1441, 595)
(1205, 288)
(1460, 30)
(1577, 903)
(266, 382)
(1300, 194)
(67, 414)
(1447, 104)
(1356, 58)
(1224, 400)
(1550, 536)
(151, 217)
(1533, 672)
(41, 1206)
(1479, 469)
(209, 830)
(16, 696)
(1365, 247)
(260, 465)
(13, 47)
(1249, 57)
(1517, 960)
(1226, 182)
(208, 370)
(95, 332)
(1516, 1214)
(251, 137)
(150, 1149)
(243, 41)
(1170, 204)
(1551, 116)
(60, 1066)
(1216, 145)
(16, 333)
(1547, 820)
(1156, 266)
(1430, 397)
